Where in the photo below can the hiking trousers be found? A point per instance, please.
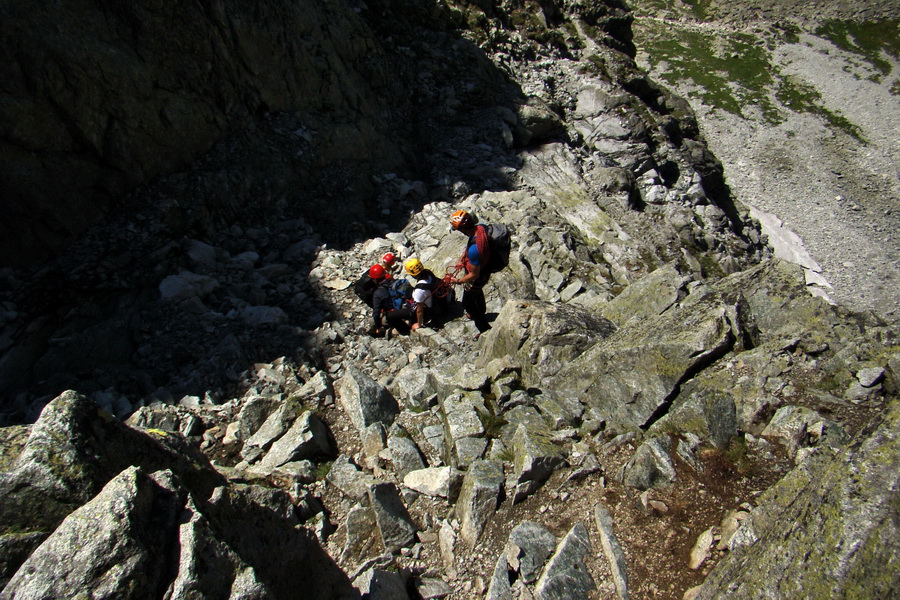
(401, 319)
(476, 307)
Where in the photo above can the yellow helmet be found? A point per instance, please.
(414, 266)
(461, 219)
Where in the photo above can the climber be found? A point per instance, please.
(381, 301)
(418, 313)
(473, 262)
(365, 286)
(389, 262)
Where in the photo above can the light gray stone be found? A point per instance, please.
(460, 416)
(394, 523)
(413, 386)
(319, 386)
(379, 584)
(701, 549)
(499, 587)
(273, 428)
(566, 575)
(432, 588)
(798, 427)
(349, 478)
(478, 499)
(362, 539)
(870, 376)
(447, 547)
(651, 466)
(467, 450)
(405, 455)
(536, 457)
(527, 550)
(441, 482)
(254, 413)
(307, 438)
(615, 557)
(365, 401)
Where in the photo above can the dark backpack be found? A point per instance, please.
(499, 238)
(401, 293)
(364, 288)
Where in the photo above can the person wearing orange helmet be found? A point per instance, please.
(474, 261)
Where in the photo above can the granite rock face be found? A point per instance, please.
(646, 352)
(155, 86)
(831, 523)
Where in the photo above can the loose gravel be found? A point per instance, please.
(840, 195)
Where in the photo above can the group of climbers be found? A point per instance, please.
(377, 287)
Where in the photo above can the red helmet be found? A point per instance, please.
(376, 272)
(389, 259)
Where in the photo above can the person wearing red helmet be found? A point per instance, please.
(389, 261)
(381, 303)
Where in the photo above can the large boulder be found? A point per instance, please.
(146, 535)
(119, 536)
(481, 494)
(566, 574)
(543, 337)
(73, 451)
(632, 375)
(365, 400)
(832, 524)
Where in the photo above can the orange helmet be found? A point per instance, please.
(389, 259)
(461, 219)
(376, 272)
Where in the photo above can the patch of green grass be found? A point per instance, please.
(322, 470)
(731, 71)
(699, 9)
(869, 40)
(801, 97)
(492, 423)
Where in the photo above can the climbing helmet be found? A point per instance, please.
(461, 219)
(414, 266)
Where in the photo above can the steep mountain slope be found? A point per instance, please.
(659, 405)
(793, 98)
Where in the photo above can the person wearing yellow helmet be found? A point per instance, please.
(414, 266)
(422, 296)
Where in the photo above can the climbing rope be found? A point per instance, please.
(444, 287)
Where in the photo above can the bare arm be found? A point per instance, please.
(420, 316)
(472, 275)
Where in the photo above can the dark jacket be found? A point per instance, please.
(381, 301)
(364, 287)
